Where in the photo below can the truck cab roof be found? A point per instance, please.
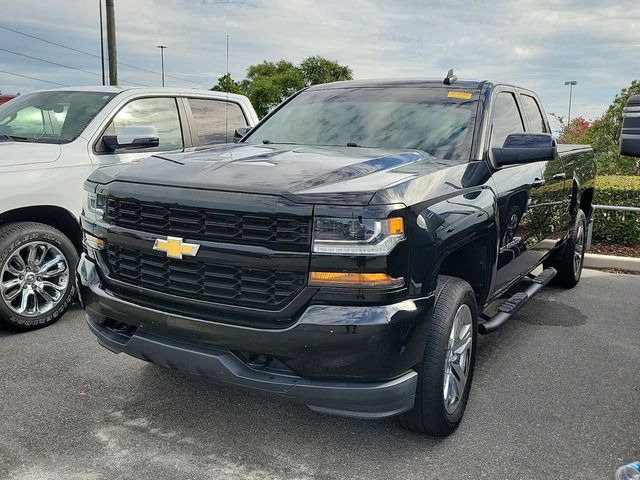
(147, 91)
(416, 82)
(400, 82)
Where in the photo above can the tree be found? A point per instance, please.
(268, 84)
(228, 84)
(320, 70)
(604, 136)
(577, 131)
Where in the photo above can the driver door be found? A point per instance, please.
(518, 188)
(160, 112)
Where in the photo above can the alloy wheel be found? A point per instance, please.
(34, 278)
(578, 253)
(458, 358)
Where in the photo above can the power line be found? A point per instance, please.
(84, 52)
(134, 83)
(35, 78)
(48, 61)
(66, 66)
(48, 41)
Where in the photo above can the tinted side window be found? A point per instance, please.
(209, 118)
(506, 119)
(534, 115)
(161, 113)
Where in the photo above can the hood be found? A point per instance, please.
(21, 153)
(341, 174)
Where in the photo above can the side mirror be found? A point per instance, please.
(630, 134)
(522, 148)
(133, 137)
(239, 133)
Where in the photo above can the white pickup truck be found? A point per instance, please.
(50, 141)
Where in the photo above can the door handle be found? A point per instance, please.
(560, 176)
(538, 182)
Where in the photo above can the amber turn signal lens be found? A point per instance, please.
(93, 242)
(347, 279)
(395, 226)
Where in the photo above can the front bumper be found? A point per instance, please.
(351, 361)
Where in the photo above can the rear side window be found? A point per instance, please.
(534, 115)
(161, 113)
(215, 120)
(506, 119)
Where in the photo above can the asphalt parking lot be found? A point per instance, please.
(555, 396)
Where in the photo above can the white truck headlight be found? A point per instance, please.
(357, 236)
(93, 205)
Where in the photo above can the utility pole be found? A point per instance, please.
(162, 47)
(111, 43)
(104, 80)
(571, 84)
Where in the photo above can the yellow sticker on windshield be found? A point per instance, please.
(461, 95)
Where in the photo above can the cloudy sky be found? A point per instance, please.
(534, 43)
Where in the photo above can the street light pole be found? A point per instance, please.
(162, 47)
(571, 83)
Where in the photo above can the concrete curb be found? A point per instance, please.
(593, 260)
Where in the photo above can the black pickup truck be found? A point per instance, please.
(347, 251)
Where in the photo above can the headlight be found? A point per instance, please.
(93, 205)
(357, 236)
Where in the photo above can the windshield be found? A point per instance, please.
(50, 117)
(435, 120)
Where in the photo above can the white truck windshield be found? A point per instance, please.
(50, 117)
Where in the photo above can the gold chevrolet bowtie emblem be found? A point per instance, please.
(174, 247)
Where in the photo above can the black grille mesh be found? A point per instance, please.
(212, 225)
(266, 289)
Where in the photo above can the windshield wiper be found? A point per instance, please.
(15, 138)
(354, 144)
(269, 142)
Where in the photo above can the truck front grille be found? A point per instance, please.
(211, 225)
(233, 285)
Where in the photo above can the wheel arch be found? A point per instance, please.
(474, 263)
(57, 217)
(586, 202)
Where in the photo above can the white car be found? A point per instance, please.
(50, 141)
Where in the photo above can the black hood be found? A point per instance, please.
(331, 174)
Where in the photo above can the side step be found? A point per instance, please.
(516, 301)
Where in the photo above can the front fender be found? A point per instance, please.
(443, 227)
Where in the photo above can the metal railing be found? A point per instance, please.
(617, 208)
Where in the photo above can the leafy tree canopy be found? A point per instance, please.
(576, 131)
(604, 135)
(267, 84)
(228, 84)
(320, 70)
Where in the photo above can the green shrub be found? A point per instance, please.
(617, 227)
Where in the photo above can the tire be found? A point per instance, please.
(569, 261)
(431, 414)
(37, 263)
